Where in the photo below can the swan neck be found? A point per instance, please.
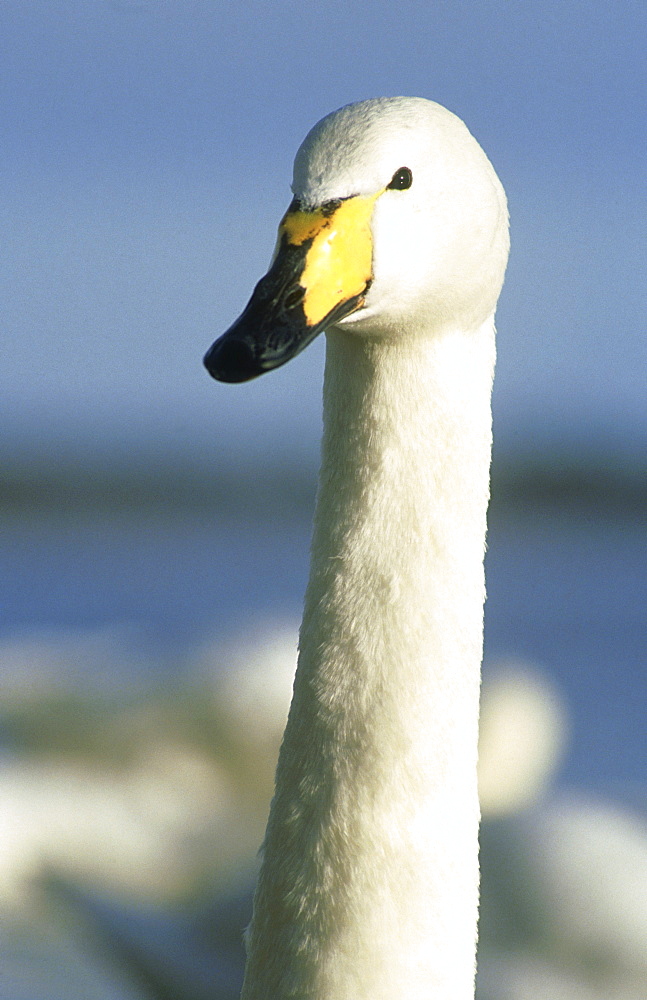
(369, 884)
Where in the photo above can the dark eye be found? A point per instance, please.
(401, 180)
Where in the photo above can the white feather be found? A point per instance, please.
(369, 884)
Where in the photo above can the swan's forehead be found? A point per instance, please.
(357, 149)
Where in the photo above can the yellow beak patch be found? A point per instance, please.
(321, 272)
(339, 260)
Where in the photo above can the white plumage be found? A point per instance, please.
(369, 883)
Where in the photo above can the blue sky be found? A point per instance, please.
(147, 151)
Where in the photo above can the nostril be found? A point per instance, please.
(294, 297)
(231, 360)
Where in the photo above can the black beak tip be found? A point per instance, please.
(231, 360)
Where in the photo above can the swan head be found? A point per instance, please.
(398, 228)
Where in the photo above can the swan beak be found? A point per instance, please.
(321, 272)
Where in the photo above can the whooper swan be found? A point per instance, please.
(396, 244)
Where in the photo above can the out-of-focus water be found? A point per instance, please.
(566, 591)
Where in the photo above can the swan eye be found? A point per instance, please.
(401, 180)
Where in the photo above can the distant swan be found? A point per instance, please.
(396, 244)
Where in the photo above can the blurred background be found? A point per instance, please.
(154, 526)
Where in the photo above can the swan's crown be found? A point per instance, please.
(439, 248)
